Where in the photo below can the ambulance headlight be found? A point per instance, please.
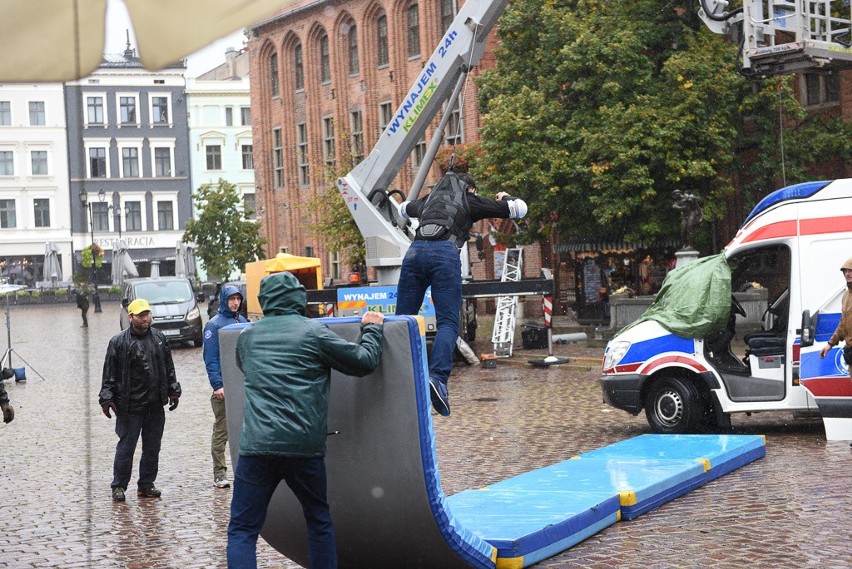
(615, 351)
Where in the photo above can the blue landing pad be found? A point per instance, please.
(537, 514)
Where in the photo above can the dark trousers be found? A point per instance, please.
(84, 312)
(255, 480)
(150, 423)
(436, 264)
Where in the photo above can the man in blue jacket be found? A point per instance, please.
(230, 300)
(287, 361)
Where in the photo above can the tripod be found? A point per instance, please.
(7, 357)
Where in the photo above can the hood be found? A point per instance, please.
(282, 293)
(226, 291)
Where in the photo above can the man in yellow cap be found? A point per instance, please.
(844, 327)
(138, 380)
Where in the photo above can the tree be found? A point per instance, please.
(225, 237)
(600, 110)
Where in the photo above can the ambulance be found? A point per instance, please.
(793, 244)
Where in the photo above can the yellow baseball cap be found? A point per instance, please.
(138, 306)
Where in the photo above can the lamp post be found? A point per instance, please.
(84, 201)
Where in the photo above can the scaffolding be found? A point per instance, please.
(503, 335)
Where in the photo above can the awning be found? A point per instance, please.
(605, 246)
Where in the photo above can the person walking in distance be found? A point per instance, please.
(82, 297)
(446, 216)
(287, 360)
(230, 300)
(138, 380)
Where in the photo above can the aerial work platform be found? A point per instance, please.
(385, 489)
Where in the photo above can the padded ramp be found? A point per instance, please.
(383, 482)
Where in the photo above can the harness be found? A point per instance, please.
(446, 213)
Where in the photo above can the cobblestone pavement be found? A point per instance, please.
(789, 509)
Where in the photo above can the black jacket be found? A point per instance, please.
(138, 371)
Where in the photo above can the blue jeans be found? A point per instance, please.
(150, 423)
(255, 480)
(436, 264)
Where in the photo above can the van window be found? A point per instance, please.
(762, 267)
(166, 292)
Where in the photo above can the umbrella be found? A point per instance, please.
(52, 268)
(122, 264)
(50, 40)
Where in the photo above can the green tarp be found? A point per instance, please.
(694, 300)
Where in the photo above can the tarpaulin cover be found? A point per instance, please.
(694, 300)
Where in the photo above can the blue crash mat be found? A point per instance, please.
(537, 514)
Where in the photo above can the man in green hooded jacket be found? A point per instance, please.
(287, 361)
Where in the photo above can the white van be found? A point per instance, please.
(792, 244)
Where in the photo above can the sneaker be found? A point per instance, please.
(118, 494)
(440, 397)
(148, 492)
(221, 482)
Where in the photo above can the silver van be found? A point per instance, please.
(174, 306)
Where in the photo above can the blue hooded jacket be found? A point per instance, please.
(224, 316)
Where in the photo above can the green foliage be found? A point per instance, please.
(333, 223)
(225, 238)
(599, 110)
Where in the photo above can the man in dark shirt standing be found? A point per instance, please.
(446, 216)
(138, 380)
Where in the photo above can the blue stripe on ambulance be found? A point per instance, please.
(643, 351)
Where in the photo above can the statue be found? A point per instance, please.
(690, 215)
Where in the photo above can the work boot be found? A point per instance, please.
(118, 494)
(440, 397)
(148, 492)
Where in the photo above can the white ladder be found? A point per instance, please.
(503, 334)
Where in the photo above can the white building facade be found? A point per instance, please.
(34, 190)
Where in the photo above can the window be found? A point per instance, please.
(453, 132)
(298, 67)
(273, 74)
(38, 160)
(127, 110)
(249, 206)
(357, 140)
(214, 157)
(385, 115)
(100, 216)
(229, 116)
(7, 214)
(334, 263)
(165, 216)
(5, 113)
(353, 50)
(278, 157)
(95, 110)
(448, 14)
(309, 251)
(419, 153)
(328, 141)
(821, 89)
(302, 153)
(325, 64)
(163, 162)
(97, 163)
(245, 116)
(129, 162)
(248, 160)
(413, 25)
(160, 110)
(382, 40)
(7, 163)
(133, 216)
(41, 212)
(37, 113)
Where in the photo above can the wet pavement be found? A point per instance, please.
(789, 509)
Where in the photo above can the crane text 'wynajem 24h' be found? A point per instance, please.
(776, 37)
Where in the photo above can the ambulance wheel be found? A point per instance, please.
(674, 406)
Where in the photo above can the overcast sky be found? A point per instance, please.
(118, 20)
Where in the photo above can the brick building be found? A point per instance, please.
(326, 79)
